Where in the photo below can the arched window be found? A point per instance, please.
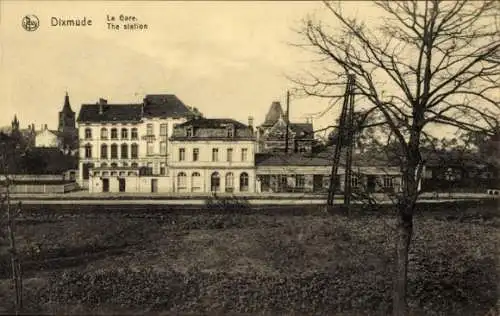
(215, 182)
(229, 182)
(104, 151)
(104, 133)
(104, 165)
(134, 151)
(244, 182)
(88, 151)
(114, 151)
(114, 133)
(125, 164)
(124, 151)
(114, 165)
(133, 133)
(181, 181)
(88, 133)
(134, 165)
(196, 182)
(124, 133)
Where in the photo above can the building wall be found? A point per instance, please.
(203, 183)
(47, 139)
(155, 159)
(133, 184)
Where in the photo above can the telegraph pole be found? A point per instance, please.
(287, 120)
(345, 138)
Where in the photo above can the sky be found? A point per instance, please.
(228, 58)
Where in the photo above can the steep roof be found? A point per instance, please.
(302, 130)
(212, 123)
(111, 113)
(66, 107)
(290, 159)
(273, 115)
(165, 105)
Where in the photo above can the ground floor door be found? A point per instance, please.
(121, 185)
(317, 182)
(371, 183)
(154, 185)
(105, 185)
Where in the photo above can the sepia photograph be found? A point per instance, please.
(250, 157)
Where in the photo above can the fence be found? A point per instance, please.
(41, 188)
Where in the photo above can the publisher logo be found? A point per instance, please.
(30, 23)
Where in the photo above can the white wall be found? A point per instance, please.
(46, 138)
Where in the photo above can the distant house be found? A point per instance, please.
(48, 138)
(271, 135)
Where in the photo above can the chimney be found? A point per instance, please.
(250, 122)
(45, 127)
(102, 103)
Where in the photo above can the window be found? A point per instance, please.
(196, 154)
(388, 182)
(104, 151)
(163, 129)
(149, 148)
(215, 154)
(134, 165)
(181, 181)
(133, 133)
(229, 154)
(104, 133)
(114, 165)
(300, 181)
(104, 165)
(162, 168)
(230, 131)
(182, 154)
(114, 133)
(244, 154)
(124, 151)
(189, 131)
(134, 151)
(149, 169)
(88, 133)
(195, 182)
(125, 164)
(124, 133)
(88, 151)
(163, 148)
(149, 129)
(114, 151)
(229, 182)
(244, 182)
(354, 181)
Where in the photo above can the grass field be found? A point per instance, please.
(290, 261)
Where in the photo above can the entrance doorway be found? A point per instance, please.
(154, 185)
(121, 185)
(105, 185)
(371, 183)
(215, 182)
(317, 183)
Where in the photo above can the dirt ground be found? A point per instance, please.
(120, 262)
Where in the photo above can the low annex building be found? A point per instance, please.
(279, 173)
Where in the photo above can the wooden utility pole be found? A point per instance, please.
(349, 140)
(287, 120)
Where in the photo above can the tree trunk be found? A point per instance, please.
(403, 239)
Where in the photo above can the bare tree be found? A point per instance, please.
(8, 155)
(422, 64)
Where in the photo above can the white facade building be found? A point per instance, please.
(47, 138)
(124, 148)
(213, 155)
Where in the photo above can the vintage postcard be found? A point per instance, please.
(249, 157)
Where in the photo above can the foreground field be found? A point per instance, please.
(302, 262)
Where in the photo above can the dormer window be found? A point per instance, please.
(230, 131)
(189, 131)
